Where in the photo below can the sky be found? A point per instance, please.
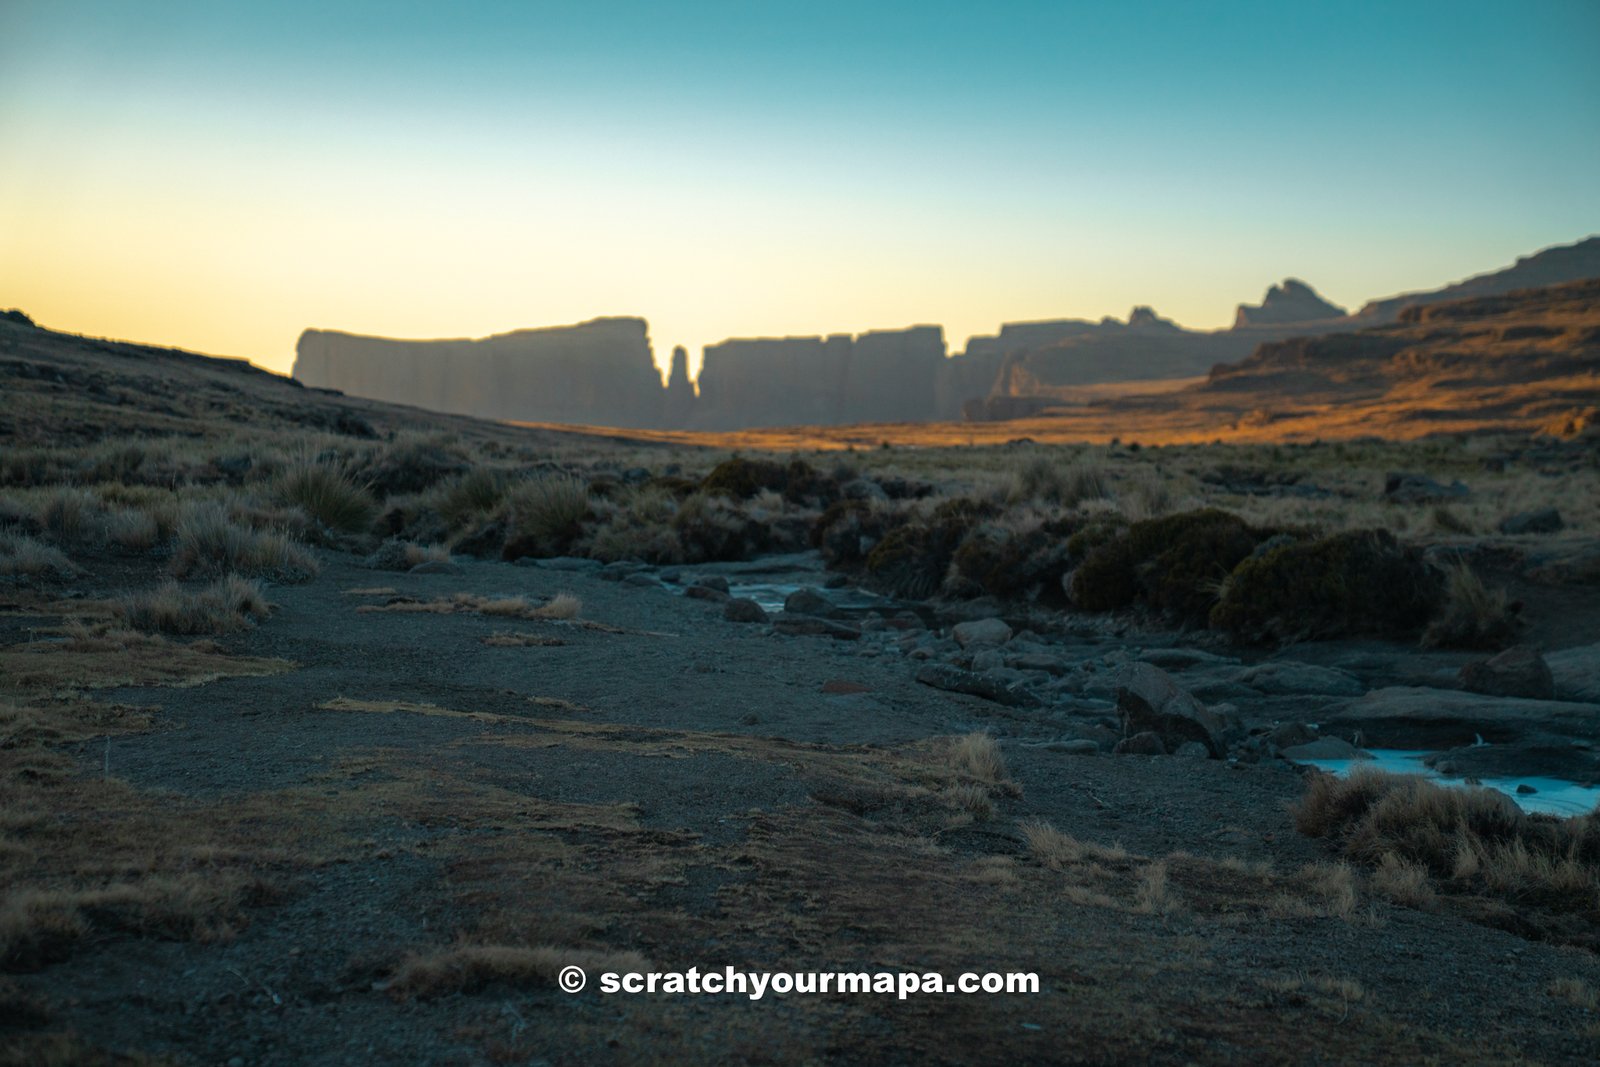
(221, 176)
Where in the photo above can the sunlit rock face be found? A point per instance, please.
(599, 372)
(1293, 301)
(882, 376)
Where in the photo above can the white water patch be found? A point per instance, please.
(1552, 796)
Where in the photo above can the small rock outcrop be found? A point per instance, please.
(1151, 701)
(1516, 672)
(1291, 302)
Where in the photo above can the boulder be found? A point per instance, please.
(1289, 678)
(1399, 488)
(1576, 672)
(981, 632)
(744, 610)
(1149, 699)
(1516, 672)
(706, 592)
(1539, 521)
(807, 602)
(712, 581)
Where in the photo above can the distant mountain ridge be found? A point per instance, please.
(603, 373)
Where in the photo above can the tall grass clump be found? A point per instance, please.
(329, 494)
(23, 557)
(1066, 484)
(209, 541)
(544, 513)
(1473, 615)
(232, 603)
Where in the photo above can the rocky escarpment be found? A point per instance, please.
(598, 372)
(1292, 302)
(1552, 266)
(882, 376)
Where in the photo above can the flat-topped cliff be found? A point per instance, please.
(599, 372)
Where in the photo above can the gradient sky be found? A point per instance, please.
(220, 176)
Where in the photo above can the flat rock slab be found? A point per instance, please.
(955, 680)
(1413, 717)
(1292, 679)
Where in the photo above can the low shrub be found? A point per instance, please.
(1356, 582)
(1472, 615)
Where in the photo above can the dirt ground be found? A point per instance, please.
(652, 781)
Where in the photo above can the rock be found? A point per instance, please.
(807, 602)
(705, 592)
(1192, 750)
(563, 563)
(1290, 734)
(1324, 748)
(1177, 659)
(1147, 743)
(1526, 790)
(955, 680)
(1576, 672)
(1039, 661)
(1538, 756)
(1571, 566)
(1150, 700)
(711, 581)
(437, 566)
(988, 660)
(814, 626)
(981, 632)
(1289, 678)
(643, 578)
(1417, 717)
(1539, 521)
(744, 610)
(1420, 489)
(1516, 672)
(1079, 747)
(836, 581)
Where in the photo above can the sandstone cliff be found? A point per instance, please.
(882, 376)
(598, 372)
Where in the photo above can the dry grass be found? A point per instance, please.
(1473, 615)
(521, 640)
(39, 926)
(1474, 841)
(1154, 895)
(232, 603)
(547, 508)
(1045, 478)
(23, 557)
(329, 494)
(563, 606)
(1575, 991)
(467, 968)
(978, 755)
(1403, 882)
(210, 542)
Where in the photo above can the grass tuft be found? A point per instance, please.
(233, 603)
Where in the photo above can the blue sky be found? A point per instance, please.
(223, 175)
